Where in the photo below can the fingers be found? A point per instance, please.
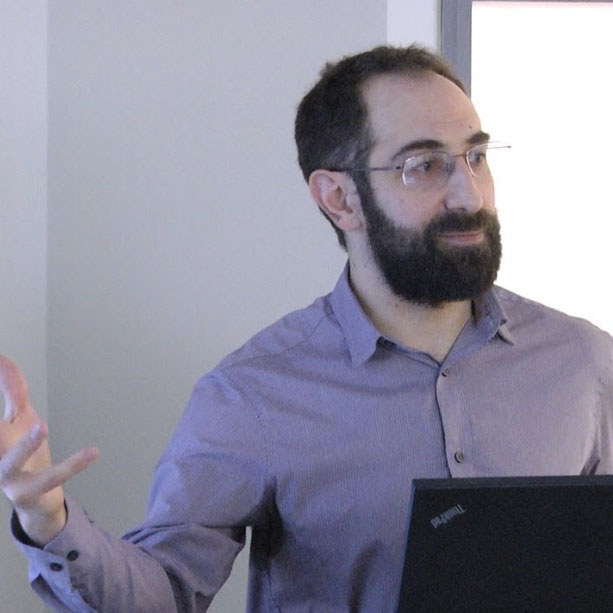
(30, 490)
(14, 388)
(24, 486)
(19, 454)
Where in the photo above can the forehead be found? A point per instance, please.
(403, 108)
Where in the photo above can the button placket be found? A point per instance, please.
(450, 400)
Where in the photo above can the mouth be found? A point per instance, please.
(462, 238)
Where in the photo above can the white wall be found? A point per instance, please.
(414, 21)
(178, 222)
(23, 218)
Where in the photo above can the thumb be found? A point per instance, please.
(14, 388)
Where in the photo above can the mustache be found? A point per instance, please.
(453, 221)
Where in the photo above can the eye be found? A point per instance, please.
(422, 164)
(477, 156)
(426, 169)
(426, 166)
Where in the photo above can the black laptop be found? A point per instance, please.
(510, 544)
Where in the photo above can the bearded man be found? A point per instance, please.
(415, 365)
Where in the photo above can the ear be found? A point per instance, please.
(337, 196)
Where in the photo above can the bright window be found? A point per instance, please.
(541, 79)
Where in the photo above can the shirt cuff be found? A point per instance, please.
(58, 570)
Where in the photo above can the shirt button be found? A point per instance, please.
(71, 556)
(54, 566)
(445, 373)
(459, 457)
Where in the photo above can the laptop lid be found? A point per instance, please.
(510, 544)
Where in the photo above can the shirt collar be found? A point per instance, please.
(360, 333)
(490, 315)
(362, 337)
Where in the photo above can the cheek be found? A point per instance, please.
(405, 209)
(417, 213)
(489, 198)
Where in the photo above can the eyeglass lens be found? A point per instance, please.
(432, 169)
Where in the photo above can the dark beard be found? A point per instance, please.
(418, 268)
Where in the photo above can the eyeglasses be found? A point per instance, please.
(431, 170)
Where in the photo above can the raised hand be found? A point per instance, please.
(27, 476)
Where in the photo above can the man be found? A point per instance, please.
(414, 366)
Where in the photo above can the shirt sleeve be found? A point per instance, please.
(83, 560)
(210, 484)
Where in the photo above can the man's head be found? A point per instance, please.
(428, 225)
(332, 127)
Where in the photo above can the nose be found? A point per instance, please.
(464, 192)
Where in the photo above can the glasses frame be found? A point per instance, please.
(451, 156)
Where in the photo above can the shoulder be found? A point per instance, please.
(528, 319)
(296, 335)
(268, 367)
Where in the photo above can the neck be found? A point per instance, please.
(432, 330)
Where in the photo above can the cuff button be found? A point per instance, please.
(71, 556)
(54, 566)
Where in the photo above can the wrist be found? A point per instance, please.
(41, 528)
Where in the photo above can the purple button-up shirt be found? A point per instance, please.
(312, 433)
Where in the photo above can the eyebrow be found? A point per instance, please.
(431, 144)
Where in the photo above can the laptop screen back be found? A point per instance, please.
(510, 544)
